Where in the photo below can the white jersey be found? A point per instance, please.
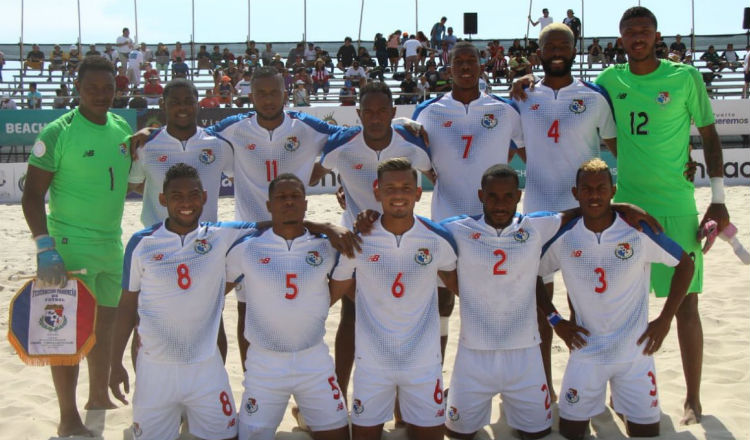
(465, 140)
(357, 164)
(397, 324)
(135, 59)
(210, 155)
(497, 274)
(562, 129)
(260, 155)
(607, 277)
(285, 286)
(181, 284)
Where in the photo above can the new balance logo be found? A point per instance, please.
(447, 124)
(622, 96)
(374, 258)
(88, 153)
(264, 260)
(358, 166)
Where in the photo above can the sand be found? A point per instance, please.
(28, 407)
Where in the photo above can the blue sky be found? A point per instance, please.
(52, 21)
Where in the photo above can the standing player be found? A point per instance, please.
(605, 264)
(355, 153)
(468, 131)
(397, 324)
(173, 285)
(283, 273)
(82, 158)
(564, 120)
(181, 141)
(654, 102)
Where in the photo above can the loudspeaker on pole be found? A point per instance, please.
(470, 23)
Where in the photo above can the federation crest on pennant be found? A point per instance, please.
(489, 121)
(314, 258)
(623, 251)
(572, 395)
(207, 156)
(423, 256)
(251, 405)
(291, 143)
(202, 246)
(521, 235)
(577, 106)
(53, 319)
(663, 98)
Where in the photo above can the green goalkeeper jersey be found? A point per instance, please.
(653, 114)
(90, 163)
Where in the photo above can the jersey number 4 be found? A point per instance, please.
(554, 131)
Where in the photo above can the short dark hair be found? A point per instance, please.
(395, 164)
(281, 177)
(374, 87)
(462, 45)
(181, 171)
(264, 72)
(638, 12)
(177, 83)
(500, 171)
(95, 63)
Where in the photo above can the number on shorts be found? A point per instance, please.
(468, 140)
(291, 285)
(183, 276)
(334, 387)
(554, 131)
(438, 394)
(547, 402)
(603, 286)
(496, 269)
(272, 169)
(652, 392)
(397, 289)
(226, 404)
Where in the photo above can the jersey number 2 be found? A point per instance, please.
(496, 268)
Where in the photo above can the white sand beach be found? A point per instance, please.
(28, 407)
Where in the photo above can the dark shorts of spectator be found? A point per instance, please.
(242, 100)
(393, 52)
(747, 77)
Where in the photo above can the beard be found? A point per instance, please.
(548, 69)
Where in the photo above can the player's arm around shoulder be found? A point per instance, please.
(341, 279)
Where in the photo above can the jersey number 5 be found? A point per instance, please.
(291, 285)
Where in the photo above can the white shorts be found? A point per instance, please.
(633, 385)
(420, 395)
(518, 375)
(134, 76)
(272, 377)
(163, 391)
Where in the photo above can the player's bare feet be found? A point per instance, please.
(103, 404)
(692, 415)
(73, 427)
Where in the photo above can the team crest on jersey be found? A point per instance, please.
(572, 395)
(202, 246)
(623, 251)
(357, 407)
(137, 431)
(291, 143)
(521, 235)
(53, 318)
(423, 256)
(489, 121)
(663, 98)
(123, 149)
(577, 106)
(251, 405)
(314, 258)
(207, 156)
(453, 414)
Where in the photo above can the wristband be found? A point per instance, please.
(717, 190)
(553, 318)
(44, 243)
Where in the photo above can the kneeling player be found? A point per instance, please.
(281, 274)
(397, 323)
(173, 282)
(605, 265)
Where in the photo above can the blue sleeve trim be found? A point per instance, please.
(132, 244)
(424, 105)
(315, 123)
(227, 122)
(239, 278)
(154, 134)
(439, 230)
(563, 229)
(244, 238)
(507, 101)
(541, 214)
(603, 92)
(339, 138)
(232, 224)
(663, 241)
(408, 137)
(455, 219)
